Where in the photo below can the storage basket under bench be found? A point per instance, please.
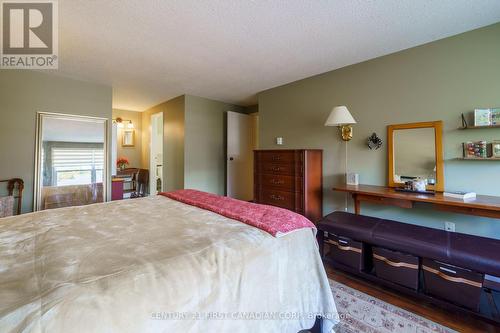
(449, 269)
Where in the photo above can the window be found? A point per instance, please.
(77, 166)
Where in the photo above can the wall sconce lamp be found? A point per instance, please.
(121, 123)
(341, 117)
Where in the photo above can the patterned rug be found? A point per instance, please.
(360, 312)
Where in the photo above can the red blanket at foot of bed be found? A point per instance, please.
(274, 220)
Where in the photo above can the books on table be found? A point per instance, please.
(460, 195)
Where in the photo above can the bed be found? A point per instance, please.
(157, 265)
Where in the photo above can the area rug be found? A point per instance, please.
(360, 312)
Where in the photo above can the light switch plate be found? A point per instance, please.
(279, 140)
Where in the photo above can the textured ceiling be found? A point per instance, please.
(64, 130)
(150, 50)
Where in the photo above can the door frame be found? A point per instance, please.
(158, 116)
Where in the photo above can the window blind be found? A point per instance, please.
(77, 159)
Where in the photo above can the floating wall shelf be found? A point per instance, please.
(478, 159)
(479, 127)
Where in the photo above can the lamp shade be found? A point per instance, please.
(339, 116)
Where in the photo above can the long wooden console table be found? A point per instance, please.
(483, 205)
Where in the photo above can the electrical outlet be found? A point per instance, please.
(449, 226)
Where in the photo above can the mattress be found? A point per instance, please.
(156, 265)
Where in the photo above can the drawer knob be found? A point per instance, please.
(277, 181)
(276, 169)
(277, 197)
(276, 158)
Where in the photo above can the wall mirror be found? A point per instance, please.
(71, 161)
(416, 152)
(128, 139)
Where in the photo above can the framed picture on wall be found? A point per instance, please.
(128, 138)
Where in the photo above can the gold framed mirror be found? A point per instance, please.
(415, 151)
(128, 138)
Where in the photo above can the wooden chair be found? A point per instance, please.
(141, 183)
(15, 185)
(127, 171)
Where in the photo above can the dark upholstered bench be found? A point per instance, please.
(477, 253)
(451, 267)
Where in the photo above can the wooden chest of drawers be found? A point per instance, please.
(290, 179)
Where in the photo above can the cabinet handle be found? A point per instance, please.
(394, 263)
(343, 248)
(452, 278)
(276, 169)
(277, 182)
(276, 158)
(277, 197)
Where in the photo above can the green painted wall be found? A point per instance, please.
(194, 142)
(204, 156)
(23, 93)
(133, 154)
(436, 81)
(173, 141)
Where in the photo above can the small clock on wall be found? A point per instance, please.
(374, 142)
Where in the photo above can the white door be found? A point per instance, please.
(114, 147)
(156, 181)
(240, 145)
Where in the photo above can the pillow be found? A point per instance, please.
(6, 206)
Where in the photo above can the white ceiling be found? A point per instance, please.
(152, 50)
(65, 130)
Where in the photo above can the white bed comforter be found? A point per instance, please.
(156, 265)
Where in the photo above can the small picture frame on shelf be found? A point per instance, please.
(477, 150)
(482, 117)
(468, 150)
(495, 148)
(495, 117)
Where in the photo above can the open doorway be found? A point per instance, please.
(156, 154)
(242, 139)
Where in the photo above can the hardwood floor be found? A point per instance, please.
(456, 321)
